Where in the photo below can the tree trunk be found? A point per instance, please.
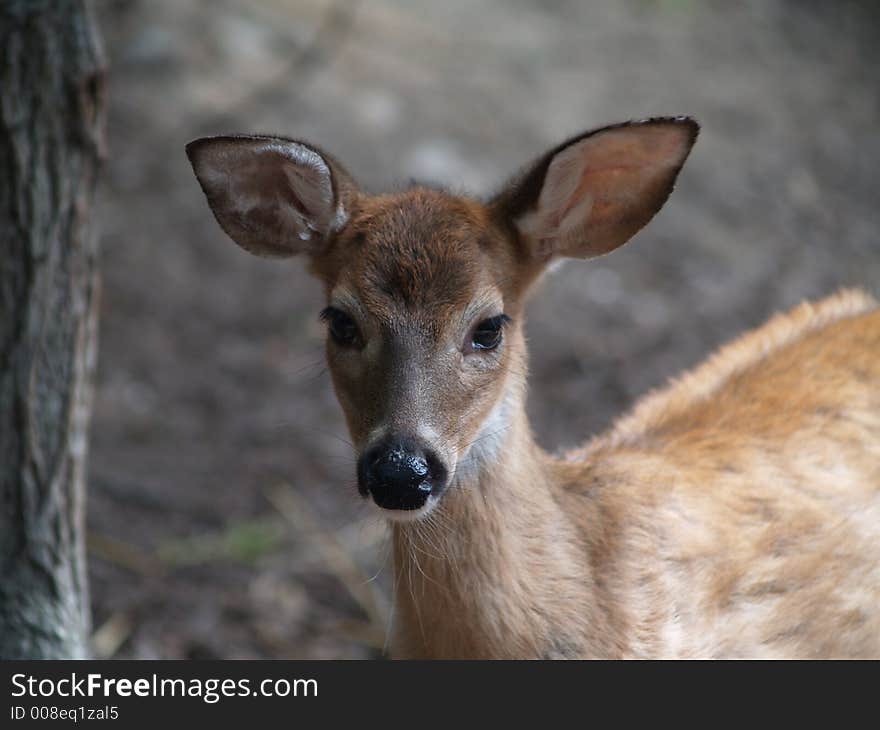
(51, 141)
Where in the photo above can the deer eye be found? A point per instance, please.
(488, 334)
(343, 330)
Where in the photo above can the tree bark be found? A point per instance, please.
(51, 142)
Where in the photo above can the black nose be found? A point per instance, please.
(400, 474)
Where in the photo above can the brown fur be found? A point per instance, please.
(414, 262)
(735, 513)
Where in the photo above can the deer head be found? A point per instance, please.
(425, 290)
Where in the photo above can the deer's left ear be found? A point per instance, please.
(593, 193)
(273, 196)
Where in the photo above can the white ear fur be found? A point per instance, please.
(561, 206)
(590, 195)
(273, 197)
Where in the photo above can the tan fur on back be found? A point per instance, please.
(748, 495)
(694, 387)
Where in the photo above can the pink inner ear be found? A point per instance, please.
(599, 191)
(287, 187)
(272, 196)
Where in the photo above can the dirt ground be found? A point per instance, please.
(223, 518)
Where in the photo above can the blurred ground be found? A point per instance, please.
(223, 520)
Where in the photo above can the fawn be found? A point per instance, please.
(733, 513)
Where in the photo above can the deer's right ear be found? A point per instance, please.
(272, 196)
(591, 194)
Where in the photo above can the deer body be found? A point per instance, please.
(735, 513)
(699, 526)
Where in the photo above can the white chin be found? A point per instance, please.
(407, 515)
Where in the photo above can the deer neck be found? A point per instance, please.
(497, 569)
